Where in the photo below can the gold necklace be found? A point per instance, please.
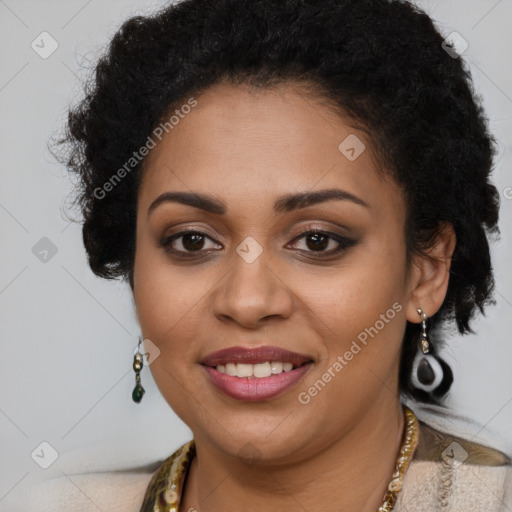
(409, 443)
(164, 491)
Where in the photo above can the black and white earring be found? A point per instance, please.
(427, 372)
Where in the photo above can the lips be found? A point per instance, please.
(251, 388)
(254, 356)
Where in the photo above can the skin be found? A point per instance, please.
(247, 148)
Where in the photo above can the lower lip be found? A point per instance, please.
(255, 389)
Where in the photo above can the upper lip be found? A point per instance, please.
(254, 355)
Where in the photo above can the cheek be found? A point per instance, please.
(164, 294)
(165, 300)
(361, 310)
(365, 286)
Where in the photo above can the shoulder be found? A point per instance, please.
(115, 491)
(437, 445)
(453, 473)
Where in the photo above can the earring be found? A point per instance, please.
(138, 391)
(427, 372)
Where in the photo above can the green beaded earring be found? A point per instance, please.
(138, 391)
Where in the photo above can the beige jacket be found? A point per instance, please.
(449, 473)
(446, 474)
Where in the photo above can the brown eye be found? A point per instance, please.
(188, 242)
(316, 242)
(193, 241)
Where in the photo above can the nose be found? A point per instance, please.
(252, 293)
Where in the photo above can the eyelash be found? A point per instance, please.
(344, 244)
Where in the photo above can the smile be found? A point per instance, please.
(257, 371)
(255, 374)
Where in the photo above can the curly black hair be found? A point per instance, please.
(382, 63)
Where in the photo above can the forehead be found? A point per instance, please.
(250, 145)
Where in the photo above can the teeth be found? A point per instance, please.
(230, 369)
(276, 367)
(259, 370)
(244, 370)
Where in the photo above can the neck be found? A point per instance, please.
(352, 473)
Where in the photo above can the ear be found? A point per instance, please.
(430, 273)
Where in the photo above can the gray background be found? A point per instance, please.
(68, 337)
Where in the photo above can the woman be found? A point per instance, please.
(298, 194)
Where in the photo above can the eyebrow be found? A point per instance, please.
(283, 204)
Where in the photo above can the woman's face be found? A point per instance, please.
(251, 276)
